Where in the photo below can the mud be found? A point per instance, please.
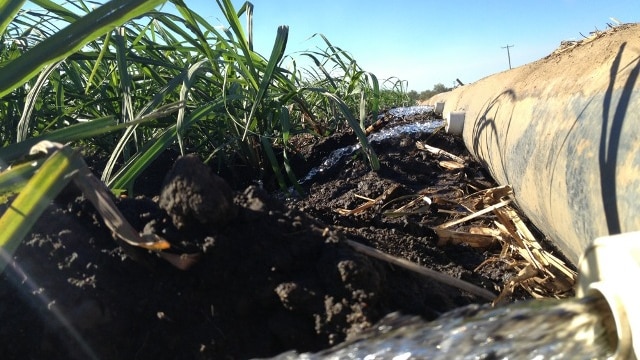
(272, 272)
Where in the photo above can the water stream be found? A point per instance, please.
(388, 132)
(535, 329)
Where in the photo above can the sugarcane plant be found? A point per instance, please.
(127, 80)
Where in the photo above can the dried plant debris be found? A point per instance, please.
(485, 220)
(387, 195)
(539, 272)
(593, 35)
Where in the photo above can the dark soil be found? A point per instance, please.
(273, 273)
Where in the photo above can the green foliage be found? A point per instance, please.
(164, 80)
(133, 88)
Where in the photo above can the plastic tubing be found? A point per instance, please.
(610, 268)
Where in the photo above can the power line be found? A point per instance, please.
(508, 53)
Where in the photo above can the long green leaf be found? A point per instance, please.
(12, 180)
(276, 55)
(34, 198)
(191, 22)
(81, 131)
(184, 91)
(143, 158)
(362, 138)
(128, 134)
(30, 101)
(98, 62)
(8, 9)
(70, 133)
(234, 22)
(71, 39)
(286, 134)
(125, 84)
(275, 167)
(66, 14)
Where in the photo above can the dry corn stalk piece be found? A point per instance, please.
(552, 269)
(450, 165)
(539, 273)
(474, 215)
(482, 241)
(436, 151)
(376, 126)
(419, 205)
(527, 273)
(387, 195)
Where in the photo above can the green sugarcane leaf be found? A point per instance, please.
(276, 55)
(8, 9)
(268, 149)
(13, 180)
(34, 198)
(362, 137)
(152, 149)
(71, 39)
(74, 132)
(66, 14)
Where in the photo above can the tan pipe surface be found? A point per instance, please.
(564, 131)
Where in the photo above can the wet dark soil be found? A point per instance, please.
(272, 272)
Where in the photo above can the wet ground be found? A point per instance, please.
(271, 272)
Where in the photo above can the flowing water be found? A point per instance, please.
(535, 329)
(391, 131)
(411, 110)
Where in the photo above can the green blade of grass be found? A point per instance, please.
(83, 130)
(57, 9)
(275, 167)
(247, 8)
(191, 21)
(234, 22)
(8, 9)
(155, 101)
(13, 180)
(143, 158)
(125, 177)
(34, 198)
(71, 39)
(285, 120)
(30, 101)
(71, 133)
(353, 122)
(119, 42)
(375, 105)
(276, 55)
(184, 91)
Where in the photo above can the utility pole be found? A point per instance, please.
(508, 54)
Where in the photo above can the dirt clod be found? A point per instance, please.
(193, 195)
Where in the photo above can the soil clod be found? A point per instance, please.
(193, 195)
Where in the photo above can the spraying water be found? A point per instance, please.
(536, 329)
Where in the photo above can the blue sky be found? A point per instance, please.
(428, 42)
